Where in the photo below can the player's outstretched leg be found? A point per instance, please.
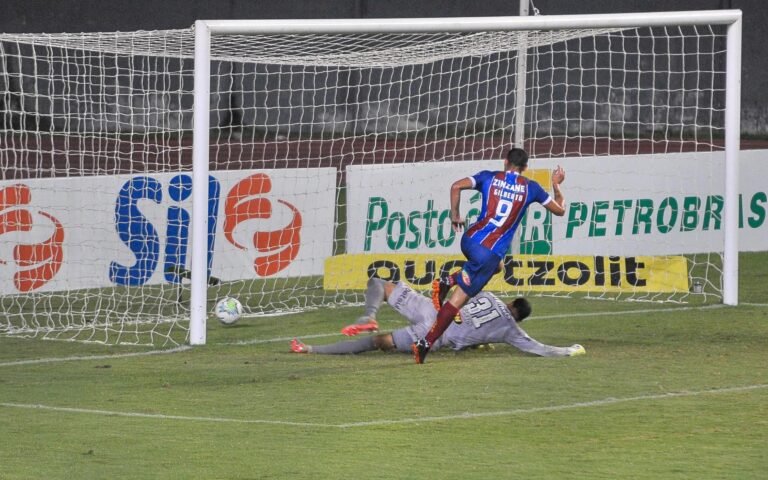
(348, 347)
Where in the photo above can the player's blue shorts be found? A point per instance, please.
(481, 265)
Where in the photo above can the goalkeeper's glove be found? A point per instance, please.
(576, 350)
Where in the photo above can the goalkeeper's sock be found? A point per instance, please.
(364, 344)
(444, 318)
(374, 297)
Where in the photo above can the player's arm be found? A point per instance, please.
(456, 189)
(529, 345)
(557, 204)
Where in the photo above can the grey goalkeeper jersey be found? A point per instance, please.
(486, 319)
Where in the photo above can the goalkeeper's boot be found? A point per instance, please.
(420, 349)
(577, 350)
(440, 290)
(298, 347)
(365, 324)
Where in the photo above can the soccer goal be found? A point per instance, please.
(283, 163)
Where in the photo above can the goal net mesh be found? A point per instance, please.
(330, 161)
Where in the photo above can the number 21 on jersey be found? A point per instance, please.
(481, 310)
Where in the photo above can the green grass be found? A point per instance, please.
(666, 391)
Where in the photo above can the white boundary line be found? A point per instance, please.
(554, 408)
(159, 416)
(93, 357)
(403, 421)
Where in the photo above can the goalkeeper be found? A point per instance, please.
(484, 319)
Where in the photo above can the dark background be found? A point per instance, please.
(35, 16)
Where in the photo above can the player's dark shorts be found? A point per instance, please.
(481, 265)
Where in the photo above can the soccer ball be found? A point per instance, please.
(228, 310)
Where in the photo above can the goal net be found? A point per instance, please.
(327, 153)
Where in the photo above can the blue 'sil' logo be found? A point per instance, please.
(142, 237)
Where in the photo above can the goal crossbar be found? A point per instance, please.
(468, 24)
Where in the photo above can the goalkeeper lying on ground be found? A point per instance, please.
(484, 319)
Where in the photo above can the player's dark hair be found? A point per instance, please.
(522, 307)
(517, 157)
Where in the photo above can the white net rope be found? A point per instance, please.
(95, 136)
(362, 50)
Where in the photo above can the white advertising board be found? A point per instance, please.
(624, 205)
(89, 232)
(406, 208)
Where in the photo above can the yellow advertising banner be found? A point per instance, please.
(541, 273)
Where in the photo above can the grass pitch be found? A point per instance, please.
(666, 391)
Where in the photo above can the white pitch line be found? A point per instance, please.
(159, 416)
(93, 357)
(553, 408)
(378, 423)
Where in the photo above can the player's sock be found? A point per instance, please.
(374, 297)
(444, 319)
(364, 344)
(453, 278)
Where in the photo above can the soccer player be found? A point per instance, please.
(506, 196)
(485, 319)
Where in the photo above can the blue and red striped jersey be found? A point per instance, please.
(506, 197)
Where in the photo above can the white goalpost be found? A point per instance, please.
(204, 30)
(284, 162)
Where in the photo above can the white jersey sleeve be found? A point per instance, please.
(527, 344)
